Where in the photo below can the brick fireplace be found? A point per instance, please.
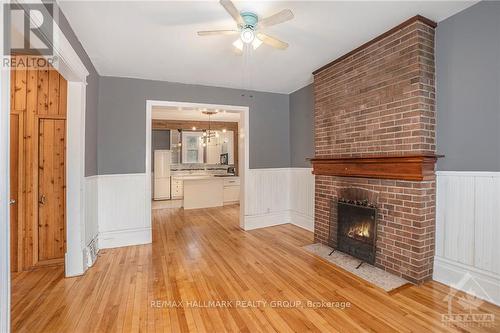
(374, 119)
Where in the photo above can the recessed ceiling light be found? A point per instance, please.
(194, 128)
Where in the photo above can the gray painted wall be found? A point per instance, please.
(468, 94)
(160, 139)
(301, 127)
(92, 94)
(468, 89)
(122, 121)
(281, 126)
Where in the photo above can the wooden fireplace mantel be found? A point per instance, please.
(410, 167)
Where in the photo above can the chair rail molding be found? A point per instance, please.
(468, 229)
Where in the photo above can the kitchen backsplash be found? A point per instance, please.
(212, 168)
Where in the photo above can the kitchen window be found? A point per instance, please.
(192, 147)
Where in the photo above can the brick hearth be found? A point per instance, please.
(379, 101)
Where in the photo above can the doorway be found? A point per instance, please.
(240, 159)
(38, 167)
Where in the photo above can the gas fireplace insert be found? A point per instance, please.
(357, 229)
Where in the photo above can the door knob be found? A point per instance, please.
(12, 201)
(42, 200)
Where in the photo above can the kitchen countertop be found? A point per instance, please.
(192, 177)
(198, 177)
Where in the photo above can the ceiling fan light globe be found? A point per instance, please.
(256, 43)
(238, 44)
(247, 35)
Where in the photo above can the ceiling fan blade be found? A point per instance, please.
(232, 10)
(217, 32)
(271, 41)
(280, 17)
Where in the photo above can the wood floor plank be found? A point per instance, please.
(203, 256)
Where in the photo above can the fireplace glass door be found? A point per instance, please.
(356, 233)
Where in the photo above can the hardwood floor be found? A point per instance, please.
(203, 256)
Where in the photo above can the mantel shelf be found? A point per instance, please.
(410, 167)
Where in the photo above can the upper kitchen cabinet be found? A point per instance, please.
(190, 142)
(175, 146)
(190, 147)
(220, 148)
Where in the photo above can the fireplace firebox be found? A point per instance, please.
(357, 229)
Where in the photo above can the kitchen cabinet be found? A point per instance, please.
(222, 143)
(177, 188)
(231, 190)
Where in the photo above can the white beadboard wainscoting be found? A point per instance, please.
(116, 205)
(468, 231)
(302, 197)
(122, 213)
(278, 196)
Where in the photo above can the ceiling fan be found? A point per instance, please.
(249, 27)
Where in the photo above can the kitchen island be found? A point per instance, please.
(203, 191)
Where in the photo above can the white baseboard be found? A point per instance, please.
(278, 218)
(127, 237)
(453, 274)
(302, 220)
(266, 220)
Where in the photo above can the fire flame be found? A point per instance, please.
(359, 230)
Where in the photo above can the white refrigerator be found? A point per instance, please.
(162, 160)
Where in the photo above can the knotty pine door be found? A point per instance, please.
(39, 96)
(51, 189)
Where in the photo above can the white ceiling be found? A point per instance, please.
(157, 39)
(189, 113)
